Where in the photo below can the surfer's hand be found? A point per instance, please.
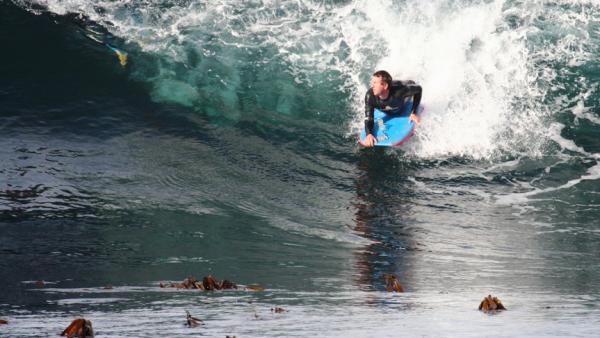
(415, 118)
(370, 141)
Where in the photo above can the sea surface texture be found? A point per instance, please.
(144, 142)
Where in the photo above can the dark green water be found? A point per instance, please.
(227, 146)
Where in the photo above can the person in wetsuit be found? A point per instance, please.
(389, 97)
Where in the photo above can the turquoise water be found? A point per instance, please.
(227, 145)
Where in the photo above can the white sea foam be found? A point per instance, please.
(87, 301)
(472, 70)
(580, 110)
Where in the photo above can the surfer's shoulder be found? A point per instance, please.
(403, 83)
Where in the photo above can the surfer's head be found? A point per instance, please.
(381, 82)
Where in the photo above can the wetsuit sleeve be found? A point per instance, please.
(414, 90)
(369, 112)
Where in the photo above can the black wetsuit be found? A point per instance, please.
(394, 103)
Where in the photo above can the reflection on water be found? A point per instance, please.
(382, 204)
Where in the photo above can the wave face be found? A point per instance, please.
(146, 141)
(493, 68)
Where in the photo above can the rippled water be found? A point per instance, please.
(227, 146)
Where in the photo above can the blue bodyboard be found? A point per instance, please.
(392, 130)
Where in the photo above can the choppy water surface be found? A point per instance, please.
(227, 146)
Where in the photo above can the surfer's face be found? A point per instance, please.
(379, 86)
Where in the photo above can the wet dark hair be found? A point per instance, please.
(385, 76)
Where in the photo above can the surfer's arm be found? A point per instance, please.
(369, 113)
(411, 89)
(417, 100)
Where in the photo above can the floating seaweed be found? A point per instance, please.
(209, 283)
(489, 304)
(80, 327)
(193, 321)
(254, 288)
(227, 284)
(392, 284)
(188, 283)
(3, 321)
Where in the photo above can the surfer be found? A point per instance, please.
(389, 97)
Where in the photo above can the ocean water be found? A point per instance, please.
(227, 145)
